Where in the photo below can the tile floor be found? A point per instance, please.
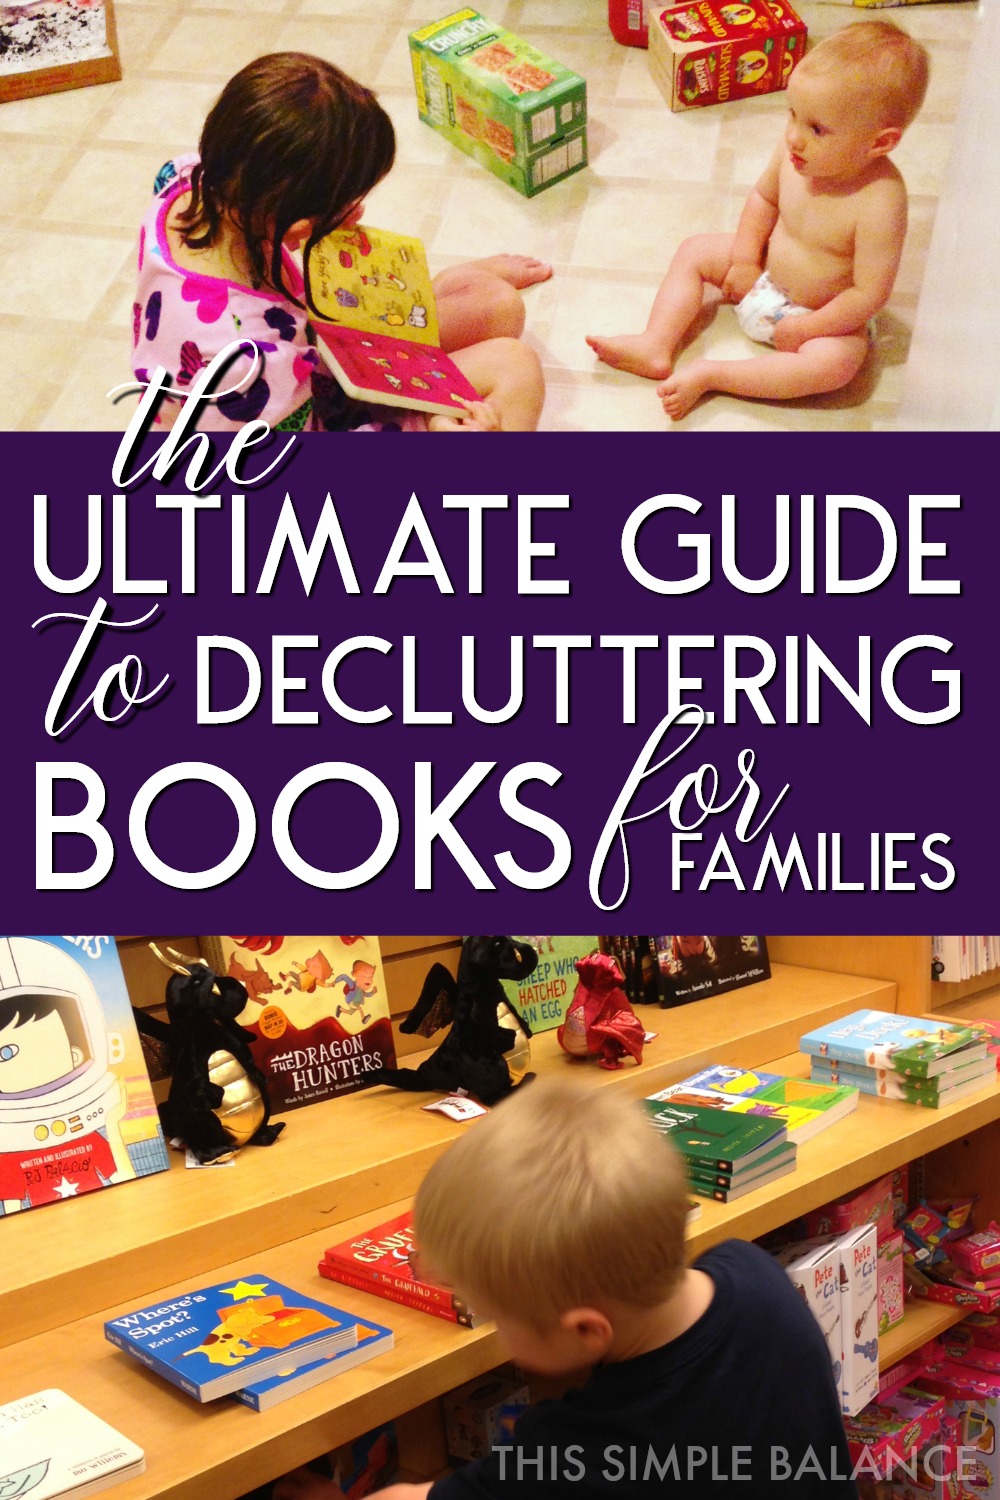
(77, 169)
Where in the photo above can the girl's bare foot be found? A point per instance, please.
(516, 270)
(632, 352)
(683, 388)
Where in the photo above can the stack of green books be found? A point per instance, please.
(726, 1154)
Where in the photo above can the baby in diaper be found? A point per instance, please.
(819, 240)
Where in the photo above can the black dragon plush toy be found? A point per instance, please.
(218, 1095)
(487, 1050)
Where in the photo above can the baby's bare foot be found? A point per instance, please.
(632, 352)
(683, 388)
(518, 270)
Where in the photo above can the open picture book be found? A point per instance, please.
(372, 304)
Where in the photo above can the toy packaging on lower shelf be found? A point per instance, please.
(494, 96)
(474, 1414)
(891, 1428)
(712, 52)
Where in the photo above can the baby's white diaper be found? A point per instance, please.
(763, 306)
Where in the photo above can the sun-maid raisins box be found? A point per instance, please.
(711, 51)
(494, 96)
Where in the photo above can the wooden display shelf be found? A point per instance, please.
(350, 1156)
(223, 1449)
(923, 1321)
(879, 1135)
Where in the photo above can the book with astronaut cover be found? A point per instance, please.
(76, 1106)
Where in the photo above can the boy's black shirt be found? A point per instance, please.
(744, 1402)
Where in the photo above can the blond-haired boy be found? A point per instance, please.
(819, 241)
(562, 1216)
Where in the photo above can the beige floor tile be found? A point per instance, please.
(141, 32)
(65, 114)
(216, 49)
(483, 215)
(636, 81)
(27, 360)
(357, 46)
(600, 305)
(28, 176)
(601, 408)
(653, 144)
(631, 226)
(79, 198)
(65, 274)
(83, 405)
(161, 111)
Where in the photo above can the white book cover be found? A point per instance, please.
(50, 1445)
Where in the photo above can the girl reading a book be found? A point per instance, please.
(287, 154)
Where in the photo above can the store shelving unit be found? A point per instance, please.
(341, 1164)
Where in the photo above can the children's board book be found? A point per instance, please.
(317, 1009)
(693, 968)
(221, 1338)
(372, 301)
(384, 1260)
(883, 1039)
(76, 1105)
(295, 1377)
(50, 1445)
(714, 1137)
(544, 997)
(806, 1106)
(893, 1086)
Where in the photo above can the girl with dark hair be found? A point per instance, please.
(288, 153)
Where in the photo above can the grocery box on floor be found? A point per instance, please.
(629, 22)
(709, 52)
(494, 96)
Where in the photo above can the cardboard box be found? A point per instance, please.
(711, 51)
(495, 97)
(474, 1412)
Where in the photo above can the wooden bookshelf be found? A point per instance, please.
(340, 1165)
(904, 960)
(348, 1156)
(923, 1321)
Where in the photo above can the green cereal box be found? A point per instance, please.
(500, 100)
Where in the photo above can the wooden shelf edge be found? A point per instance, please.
(922, 1321)
(353, 1155)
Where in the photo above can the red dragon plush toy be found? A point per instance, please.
(600, 1020)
